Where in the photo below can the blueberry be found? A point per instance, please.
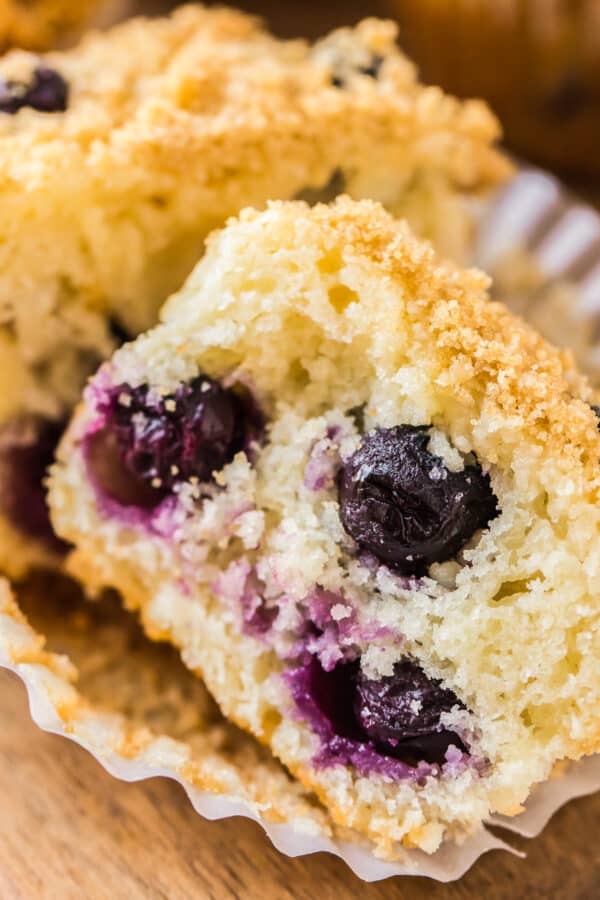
(46, 92)
(26, 450)
(371, 69)
(400, 502)
(596, 410)
(150, 443)
(397, 717)
(401, 713)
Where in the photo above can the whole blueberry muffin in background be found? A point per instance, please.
(43, 24)
(118, 157)
(537, 62)
(364, 502)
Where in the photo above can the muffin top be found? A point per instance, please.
(154, 91)
(490, 376)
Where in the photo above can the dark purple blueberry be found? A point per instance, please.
(26, 450)
(47, 91)
(401, 713)
(373, 68)
(397, 717)
(400, 502)
(149, 442)
(596, 410)
(370, 69)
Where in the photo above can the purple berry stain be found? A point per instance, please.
(150, 442)
(47, 91)
(400, 502)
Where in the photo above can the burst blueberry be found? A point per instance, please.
(150, 442)
(47, 91)
(400, 502)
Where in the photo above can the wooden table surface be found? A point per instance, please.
(69, 830)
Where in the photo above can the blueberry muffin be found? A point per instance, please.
(363, 500)
(118, 157)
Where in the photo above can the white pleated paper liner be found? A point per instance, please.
(543, 249)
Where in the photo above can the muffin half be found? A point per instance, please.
(364, 501)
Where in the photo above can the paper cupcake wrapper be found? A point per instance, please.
(542, 247)
(533, 224)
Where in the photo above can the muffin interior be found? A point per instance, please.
(442, 652)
